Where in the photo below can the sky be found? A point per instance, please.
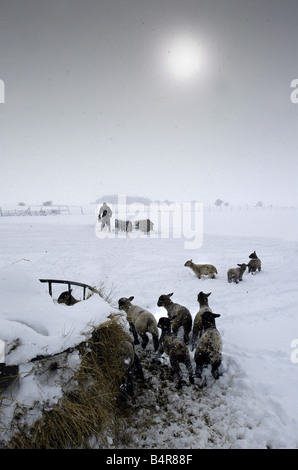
(181, 100)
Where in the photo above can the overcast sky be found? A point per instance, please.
(181, 100)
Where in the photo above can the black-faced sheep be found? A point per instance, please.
(202, 269)
(235, 274)
(176, 349)
(130, 366)
(254, 264)
(198, 323)
(66, 298)
(140, 322)
(209, 349)
(178, 314)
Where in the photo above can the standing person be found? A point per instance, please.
(105, 214)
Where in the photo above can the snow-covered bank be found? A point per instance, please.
(253, 404)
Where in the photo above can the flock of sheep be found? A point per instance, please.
(206, 341)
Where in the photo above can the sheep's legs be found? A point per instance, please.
(214, 369)
(201, 360)
(190, 371)
(145, 340)
(195, 334)
(175, 369)
(134, 333)
(155, 342)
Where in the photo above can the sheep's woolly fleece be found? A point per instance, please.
(254, 402)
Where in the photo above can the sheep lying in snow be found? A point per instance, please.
(66, 298)
(202, 269)
(140, 322)
(235, 274)
(130, 365)
(209, 350)
(178, 314)
(176, 350)
(198, 323)
(254, 264)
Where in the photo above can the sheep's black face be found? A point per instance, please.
(203, 298)
(253, 255)
(164, 323)
(65, 295)
(122, 303)
(242, 266)
(161, 300)
(164, 299)
(208, 319)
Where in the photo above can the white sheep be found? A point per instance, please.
(235, 274)
(176, 349)
(178, 314)
(209, 349)
(202, 269)
(198, 323)
(254, 264)
(140, 322)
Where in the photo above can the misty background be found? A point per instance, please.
(92, 106)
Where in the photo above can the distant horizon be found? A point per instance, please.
(130, 199)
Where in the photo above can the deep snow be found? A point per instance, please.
(252, 405)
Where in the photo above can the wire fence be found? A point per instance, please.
(42, 210)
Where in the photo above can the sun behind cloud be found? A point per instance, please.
(184, 57)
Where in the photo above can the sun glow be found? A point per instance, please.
(184, 58)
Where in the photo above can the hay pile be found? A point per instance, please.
(91, 407)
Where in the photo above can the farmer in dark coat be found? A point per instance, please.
(105, 214)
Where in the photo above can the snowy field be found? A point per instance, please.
(252, 405)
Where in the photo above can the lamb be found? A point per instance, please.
(202, 269)
(67, 298)
(254, 264)
(209, 350)
(140, 322)
(235, 274)
(176, 349)
(178, 314)
(198, 324)
(130, 366)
